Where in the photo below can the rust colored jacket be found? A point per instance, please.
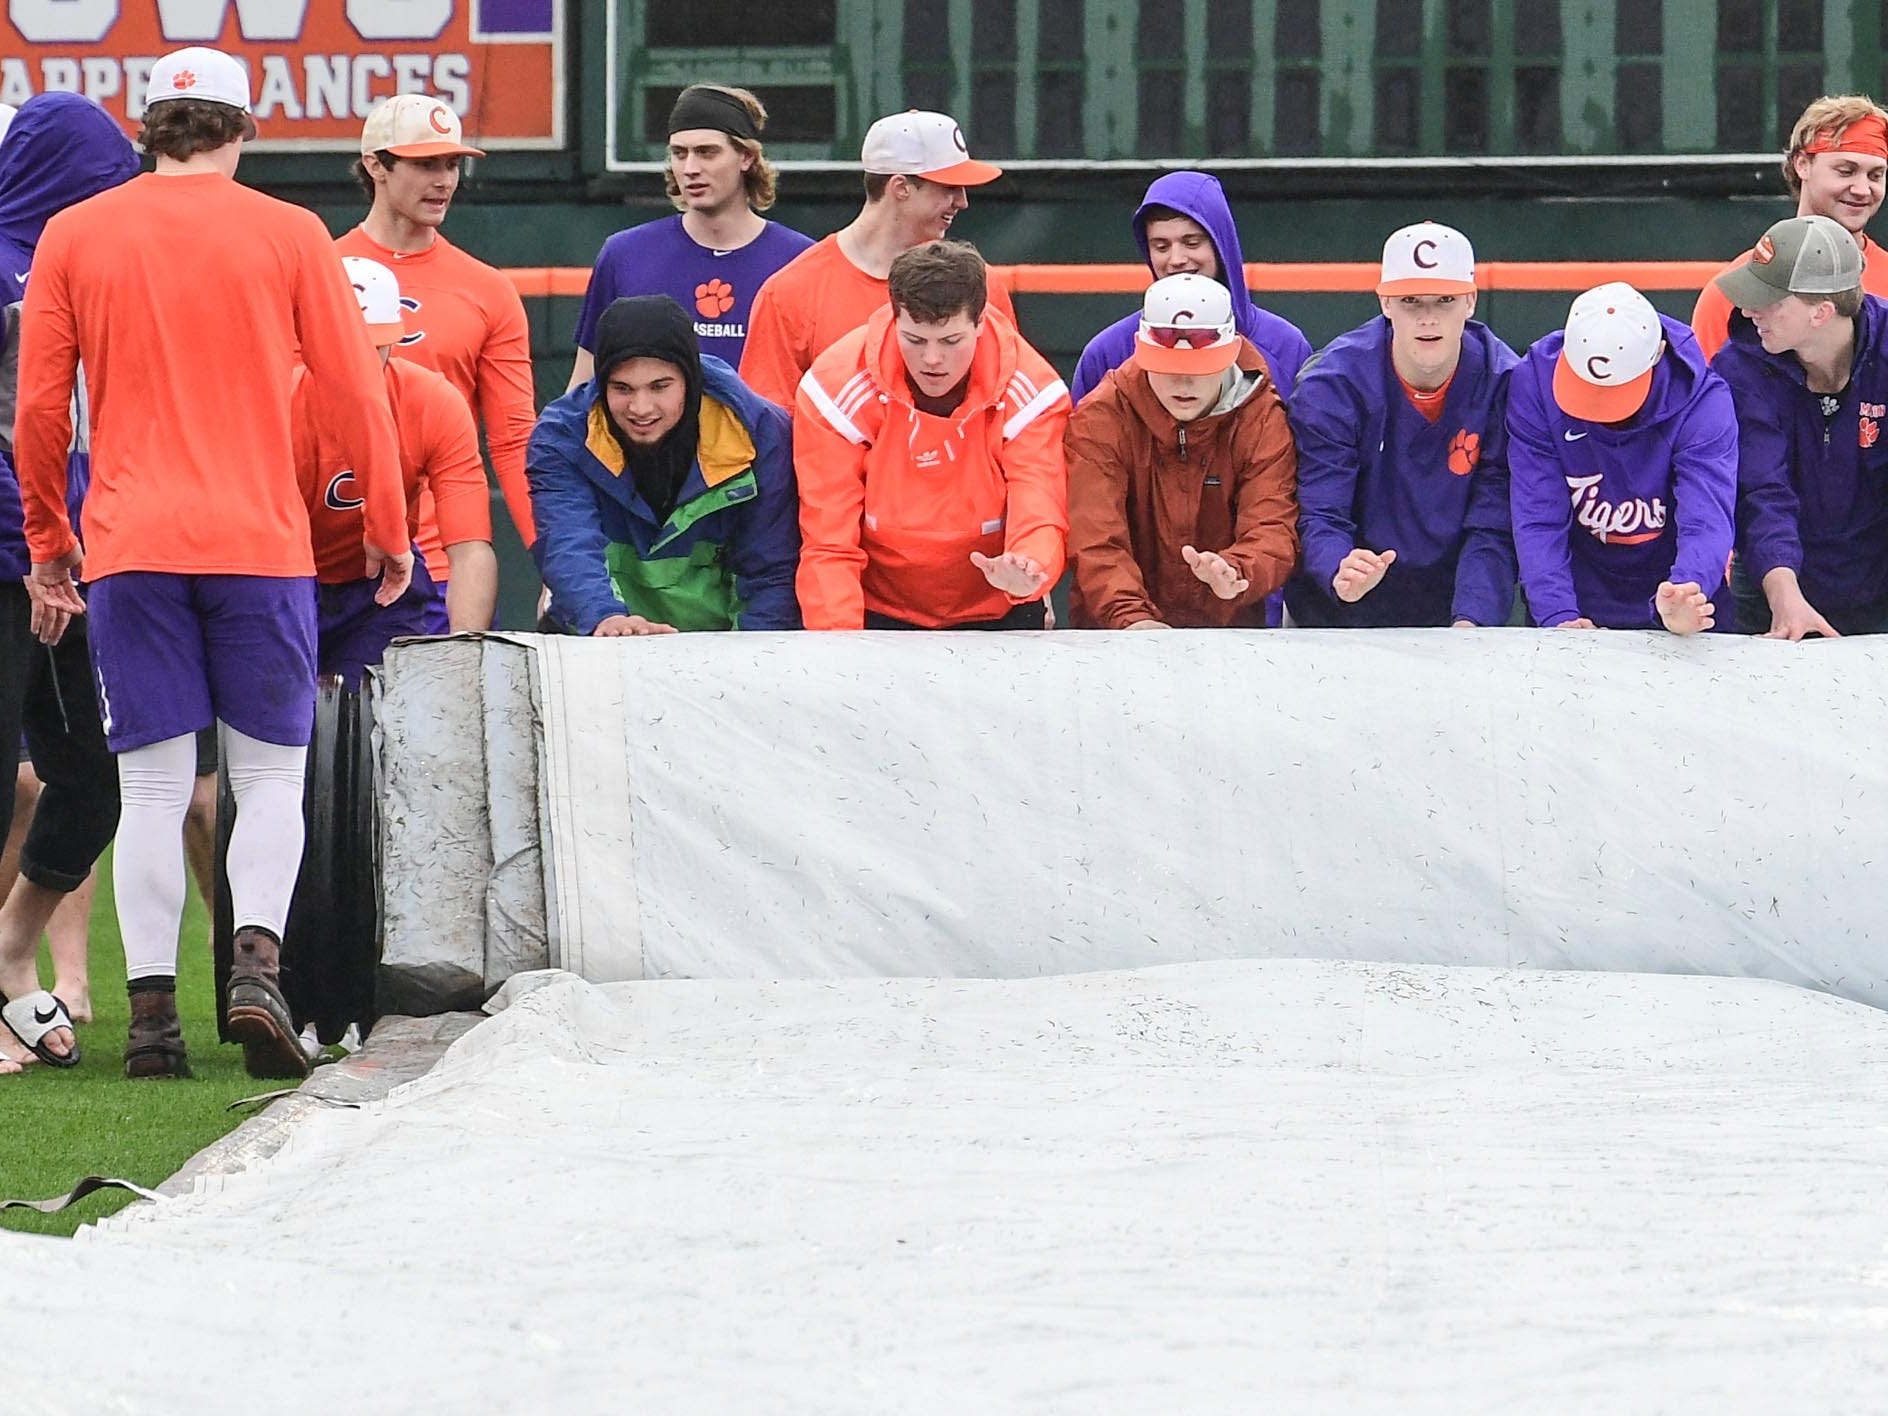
(894, 500)
(1142, 485)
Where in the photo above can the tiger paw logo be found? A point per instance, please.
(714, 298)
(1870, 431)
(1465, 450)
(184, 80)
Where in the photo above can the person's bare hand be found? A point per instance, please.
(1019, 577)
(628, 626)
(1359, 573)
(1684, 608)
(1219, 574)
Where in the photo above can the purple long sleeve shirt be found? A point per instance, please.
(1812, 490)
(1603, 512)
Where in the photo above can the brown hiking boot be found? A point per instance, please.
(258, 1014)
(155, 1045)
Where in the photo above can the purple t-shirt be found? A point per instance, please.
(717, 288)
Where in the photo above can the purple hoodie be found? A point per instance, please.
(1374, 472)
(1812, 492)
(1199, 195)
(1605, 511)
(60, 150)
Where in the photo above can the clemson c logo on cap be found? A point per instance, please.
(437, 117)
(1417, 254)
(957, 136)
(1598, 375)
(1765, 253)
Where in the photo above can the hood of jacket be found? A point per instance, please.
(991, 367)
(1199, 195)
(1128, 385)
(61, 149)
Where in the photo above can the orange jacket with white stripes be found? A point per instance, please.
(894, 500)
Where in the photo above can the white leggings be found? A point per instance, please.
(265, 845)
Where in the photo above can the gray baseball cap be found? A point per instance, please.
(1805, 255)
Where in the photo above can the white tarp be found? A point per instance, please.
(1011, 805)
(1295, 1187)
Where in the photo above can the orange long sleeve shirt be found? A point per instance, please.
(464, 319)
(439, 453)
(805, 308)
(893, 500)
(187, 297)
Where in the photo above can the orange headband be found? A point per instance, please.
(1867, 137)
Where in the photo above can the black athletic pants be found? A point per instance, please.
(1031, 615)
(46, 694)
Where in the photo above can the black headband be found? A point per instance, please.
(700, 107)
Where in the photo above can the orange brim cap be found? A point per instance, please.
(1427, 285)
(385, 334)
(968, 173)
(1595, 403)
(1159, 359)
(435, 150)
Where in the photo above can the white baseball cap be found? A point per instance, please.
(7, 111)
(1186, 327)
(415, 125)
(1613, 342)
(379, 293)
(207, 75)
(1427, 259)
(927, 145)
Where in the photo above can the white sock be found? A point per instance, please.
(148, 860)
(265, 843)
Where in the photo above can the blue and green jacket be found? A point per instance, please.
(726, 556)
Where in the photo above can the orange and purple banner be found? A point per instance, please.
(316, 67)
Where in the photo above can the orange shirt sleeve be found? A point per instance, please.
(444, 443)
(1113, 590)
(830, 468)
(775, 355)
(1711, 319)
(1035, 470)
(42, 428)
(508, 405)
(342, 360)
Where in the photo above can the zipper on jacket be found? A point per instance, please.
(1183, 442)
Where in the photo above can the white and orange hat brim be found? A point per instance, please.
(1424, 285)
(968, 173)
(445, 149)
(1215, 358)
(1598, 403)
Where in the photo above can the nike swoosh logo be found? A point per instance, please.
(45, 1017)
(21, 276)
(1572, 436)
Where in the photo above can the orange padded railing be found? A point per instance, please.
(1311, 277)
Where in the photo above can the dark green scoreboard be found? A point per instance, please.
(1062, 81)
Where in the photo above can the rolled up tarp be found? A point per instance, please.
(1010, 805)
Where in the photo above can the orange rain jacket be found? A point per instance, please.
(893, 500)
(1142, 485)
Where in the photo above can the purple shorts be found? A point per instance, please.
(355, 632)
(173, 654)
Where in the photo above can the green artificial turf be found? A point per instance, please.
(58, 1125)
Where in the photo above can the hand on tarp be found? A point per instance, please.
(395, 569)
(1019, 577)
(624, 626)
(1359, 573)
(1684, 608)
(1219, 574)
(55, 595)
(1791, 614)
